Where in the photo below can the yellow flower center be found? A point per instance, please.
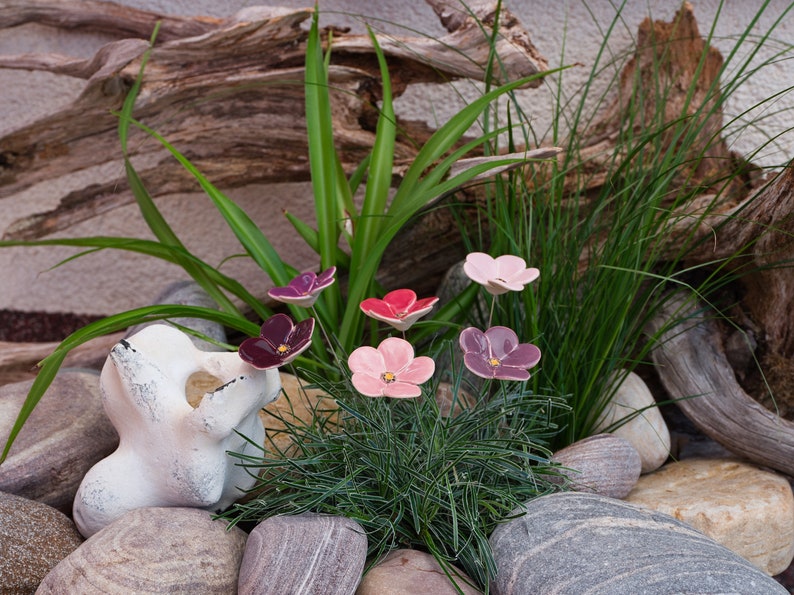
(282, 349)
(388, 377)
(494, 362)
(401, 314)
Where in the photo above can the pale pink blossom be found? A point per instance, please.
(391, 370)
(501, 274)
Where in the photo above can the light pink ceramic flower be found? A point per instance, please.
(304, 289)
(399, 308)
(391, 370)
(496, 353)
(501, 274)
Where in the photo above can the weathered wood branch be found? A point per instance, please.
(695, 371)
(230, 98)
(102, 17)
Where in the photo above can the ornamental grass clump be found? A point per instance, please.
(388, 458)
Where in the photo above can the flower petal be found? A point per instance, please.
(397, 353)
(401, 390)
(502, 340)
(325, 278)
(480, 267)
(508, 265)
(510, 373)
(378, 309)
(477, 364)
(366, 360)
(304, 282)
(418, 371)
(525, 355)
(259, 353)
(277, 328)
(473, 340)
(400, 300)
(369, 386)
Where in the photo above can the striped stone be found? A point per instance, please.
(306, 553)
(572, 543)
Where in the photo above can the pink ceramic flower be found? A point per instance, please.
(399, 308)
(304, 289)
(279, 342)
(496, 353)
(391, 370)
(501, 274)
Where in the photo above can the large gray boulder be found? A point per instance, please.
(574, 543)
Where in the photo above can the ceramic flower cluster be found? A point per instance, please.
(392, 369)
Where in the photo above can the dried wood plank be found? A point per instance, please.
(232, 100)
(18, 360)
(695, 371)
(102, 17)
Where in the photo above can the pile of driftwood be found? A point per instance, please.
(219, 69)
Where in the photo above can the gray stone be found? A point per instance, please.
(65, 435)
(34, 538)
(573, 543)
(190, 293)
(602, 464)
(639, 421)
(305, 553)
(153, 550)
(408, 572)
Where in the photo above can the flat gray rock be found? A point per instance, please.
(306, 553)
(65, 435)
(574, 543)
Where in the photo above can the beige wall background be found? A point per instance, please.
(564, 31)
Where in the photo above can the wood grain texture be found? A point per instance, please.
(695, 371)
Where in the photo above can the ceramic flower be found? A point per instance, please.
(391, 370)
(304, 289)
(496, 353)
(279, 342)
(399, 308)
(501, 274)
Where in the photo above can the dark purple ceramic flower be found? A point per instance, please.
(304, 289)
(279, 342)
(496, 353)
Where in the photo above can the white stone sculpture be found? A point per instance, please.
(169, 453)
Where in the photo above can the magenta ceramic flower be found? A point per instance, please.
(501, 274)
(496, 353)
(279, 342)
(391, 370)
(304, 289)
(399, 308)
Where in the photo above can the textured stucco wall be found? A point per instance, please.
(113, 281)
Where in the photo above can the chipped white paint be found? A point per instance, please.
(171, 454)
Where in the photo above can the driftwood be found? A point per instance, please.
(695, 371)
(18, 360)
(230, 97)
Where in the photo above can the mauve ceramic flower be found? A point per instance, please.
(496, 353)
(279, 342)
(391, 370)
(501, 274)
(304, 289)
(399, 308)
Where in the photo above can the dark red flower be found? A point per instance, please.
(279, 342)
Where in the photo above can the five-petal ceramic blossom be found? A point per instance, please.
(279, 342)
(304, 289)
(399, 308)
(496, 353)
(501, 274)
(391, 370)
